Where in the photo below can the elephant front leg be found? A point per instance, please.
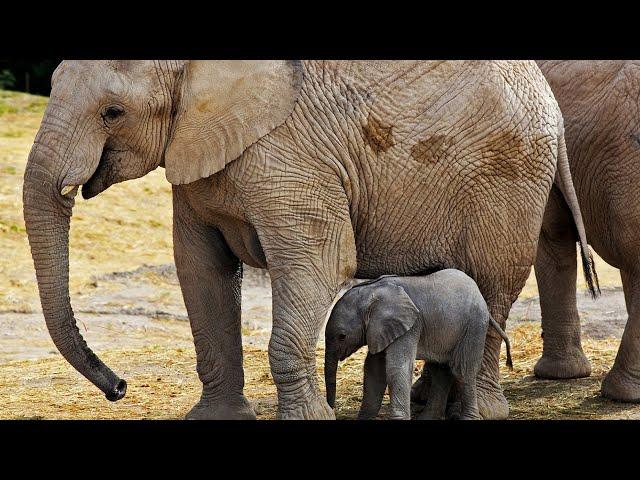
(375, 383)
(622, 383)
(210, 278)
(556, 270)
(400, 361)
(307, 264)
(300, 304)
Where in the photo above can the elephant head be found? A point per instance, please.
(373, 314)
(111, 121)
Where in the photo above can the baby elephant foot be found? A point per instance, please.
(470, 416)
(367, 415)
(399, 417)
(209, 409)
(428, 415)
(398, 414)
(420, 390)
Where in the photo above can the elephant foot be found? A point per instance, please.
(621, 386)
(470, 416)
(492, 404)
(315, 409)
(367, 415)
(572, 364)
(238, 409)
(454, 410)
(427, 414)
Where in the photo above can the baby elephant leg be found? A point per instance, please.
(469, 400)
(400, 361)
(440, 385)
(375, 383)
(421, 387)
(467, 365)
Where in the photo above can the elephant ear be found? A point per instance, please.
(392, 313)
(223, 107)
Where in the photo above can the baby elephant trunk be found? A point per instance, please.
(330, 372)
(495, 325)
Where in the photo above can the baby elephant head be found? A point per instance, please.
(373, 314)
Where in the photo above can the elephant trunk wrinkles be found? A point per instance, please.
(47, 215)
(330, 372)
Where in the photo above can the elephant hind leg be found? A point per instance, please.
(556, 270)
(440, 383)
(492, 403)
(623, 380)
(469, 401)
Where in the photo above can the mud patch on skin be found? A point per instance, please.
(431, 150)
(500, 158)
(378, 135)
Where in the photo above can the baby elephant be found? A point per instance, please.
(441, 318)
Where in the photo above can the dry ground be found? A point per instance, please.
(123, 287)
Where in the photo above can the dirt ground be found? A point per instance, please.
(126, 297)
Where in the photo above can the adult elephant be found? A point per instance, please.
(318, 171)
(599, 101)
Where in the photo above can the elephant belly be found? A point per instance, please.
(432, 218)
(243, 241)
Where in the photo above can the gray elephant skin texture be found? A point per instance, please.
(440, 318)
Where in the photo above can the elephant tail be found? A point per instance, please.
(507, 343)
(565, 184)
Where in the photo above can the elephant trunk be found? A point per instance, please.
(330, 372)
(47, 214)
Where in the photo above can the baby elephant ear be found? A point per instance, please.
(391, 315)
(223, 107)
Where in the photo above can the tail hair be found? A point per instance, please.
(590, 273)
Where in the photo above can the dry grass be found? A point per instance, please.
(163, 385)
(530, 398)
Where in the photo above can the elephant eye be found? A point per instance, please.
(342, 337)
(112, 113)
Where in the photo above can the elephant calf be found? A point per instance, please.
(441, 318)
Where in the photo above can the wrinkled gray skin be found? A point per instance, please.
(320, 171)
(599, 101)
(441, 318)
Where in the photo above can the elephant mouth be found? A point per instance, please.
(105, 174)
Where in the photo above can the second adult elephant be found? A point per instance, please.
(599, 101)
(318, 171)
